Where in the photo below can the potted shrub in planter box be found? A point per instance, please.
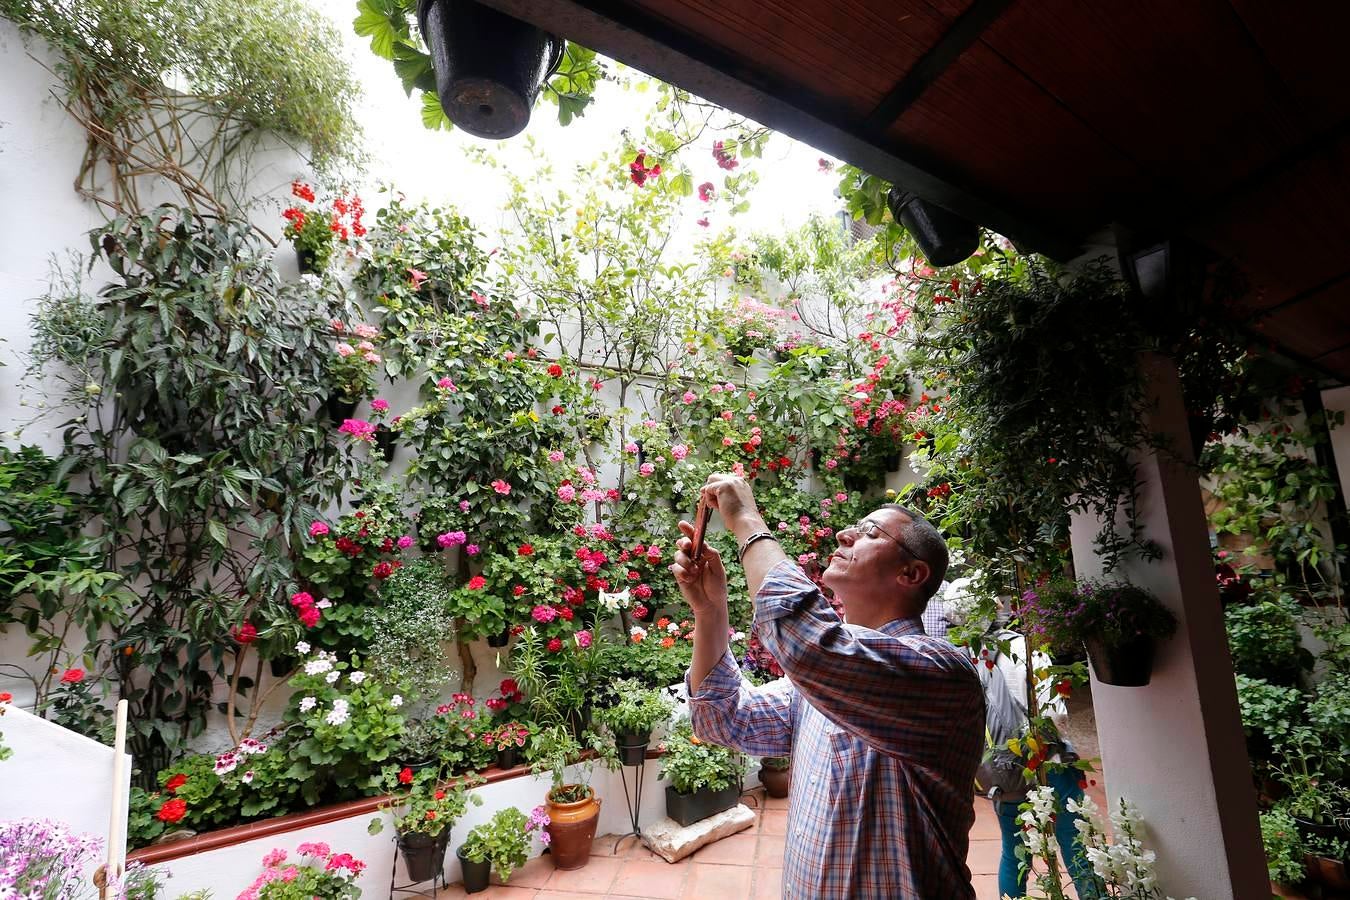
(426, 809)
(632, 719)
(501, 845)
(705, 779)
(1118, 624)
(775, 773)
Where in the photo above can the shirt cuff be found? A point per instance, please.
(785, 590)
(723, 681)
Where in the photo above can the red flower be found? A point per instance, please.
(172, 810)
(554, 645)
(6, 696)
(383, 570)
(555, 370)
(706, 191)
(309, 616)
(440, 795)
(175, 782)
(477, 583)
(558, 410)
(244, 634)
(724, 160)
(75, 676)
(405, 776)
(525, 550)
(567, 613)
(348, 546)
(508, 686)
(303, 191)
(517, 590)
(641, 611)
(703, 223)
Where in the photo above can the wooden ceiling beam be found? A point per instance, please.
(639, 39)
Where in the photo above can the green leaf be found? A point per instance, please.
(382, 21)
(433, 116)
(219, 533)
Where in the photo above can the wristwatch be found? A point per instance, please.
(757, 536)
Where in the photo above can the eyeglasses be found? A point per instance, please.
(868, 528)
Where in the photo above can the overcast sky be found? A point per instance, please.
(432, 165)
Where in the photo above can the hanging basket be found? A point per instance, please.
(1129, 664)
(489, 66)
(423, 854)
(339, 409)
(475, 873)
(306, 260)
(501, 639)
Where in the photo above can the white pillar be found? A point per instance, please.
(1175, 748)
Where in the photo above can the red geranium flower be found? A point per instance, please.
(405, 776)
(554, 645)
(75, 676)
(555, 370)
(6, 696)
(477, 583)
(508, 686)
(383, 570)
(246, 633)
(175, 782)
(525, 550)
(172, 810)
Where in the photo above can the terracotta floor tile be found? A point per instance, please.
(533, 874)
(653, 879)
(986, 887)
(604, 844)
(712, 882)
(775, 821)
(733, 850)
(986, 822)
(770, 850)
(593, 878)
(494, 892)
(776, 803)
(566, 895)
(768, 884)
(984, 856)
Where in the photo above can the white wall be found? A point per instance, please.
(58, 774)
(1338, 400)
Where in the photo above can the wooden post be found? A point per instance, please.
(117, 814)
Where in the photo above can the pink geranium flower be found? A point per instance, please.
(317, 529)
(501, 487)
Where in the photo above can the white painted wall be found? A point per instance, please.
(1338, 400)
(58, 774)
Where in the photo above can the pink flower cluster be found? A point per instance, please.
(359, 429)
(305, 608)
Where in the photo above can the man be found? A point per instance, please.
(884, 724)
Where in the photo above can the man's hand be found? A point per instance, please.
(731, 496)
(703, 583)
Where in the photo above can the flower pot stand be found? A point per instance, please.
(437, 848)
(633, 800)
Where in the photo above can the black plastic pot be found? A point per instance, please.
(579, 720)
(632, 746)
(508, 758)
(690, 808)
(944, 237)
(387, 440)
(282, 665)
(489, 66)
(475, 873)
(306, 261)
(1124, 665)
(339, 409)
(419, 765)
(423, 854)
(500, 640)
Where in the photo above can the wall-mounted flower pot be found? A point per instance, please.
(1124, 665)
(339, 409)
(501, 639)
(282, 666)
(475, 873)
(571, 829)
(489, 66)
(306, 260)
(632, 747)
(423, 854)
(690, 808)
(943, 237)
(508, 758)
(387, 440)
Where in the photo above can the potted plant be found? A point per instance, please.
(316, 233)
(320, 874)
(573, 809)
(501, 844)
(352, 368)
(633, 717)
(508, 739)
(1284, 849)
(775, 773)
(1117, 623)
(705, 779)
(420, 745)
(427, 809)
(1324, 860)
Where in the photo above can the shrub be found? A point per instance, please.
(691, 764)
(1264, 640)
(1284, 851)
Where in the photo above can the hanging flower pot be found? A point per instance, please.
(306, 260)
(944, 237)
(475, 873)
(1127, 664)
(387, 440)
(423, 854)
(571, 828)
(489, 66)
(501, 639)
(339, 409)
(632, 747)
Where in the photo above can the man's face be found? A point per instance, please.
(866, 565)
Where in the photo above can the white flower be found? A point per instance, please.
(302, 648)
(637, 632)
(226, 762)
(613, 602)
(673, 627)
(317, 666)
(307, 704)
(247, 777)
(632, 495)
(738, 636)
(323, 604)
(396, 701)
(333, 676)
(357, 677)
(249, 746)
(312, 280)
(339, 713)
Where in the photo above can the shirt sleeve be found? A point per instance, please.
(754, 720)
(899, 693)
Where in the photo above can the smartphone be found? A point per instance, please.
(701, 519)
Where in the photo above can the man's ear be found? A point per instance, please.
(914, 574)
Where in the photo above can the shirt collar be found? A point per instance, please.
(902, 627)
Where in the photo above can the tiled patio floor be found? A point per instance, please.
(744, 866)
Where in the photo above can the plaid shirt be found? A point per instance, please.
(885, 732)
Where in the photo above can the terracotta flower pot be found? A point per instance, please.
(571, 830)
(1329, 873)
(1129, 664)
(775, 781)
